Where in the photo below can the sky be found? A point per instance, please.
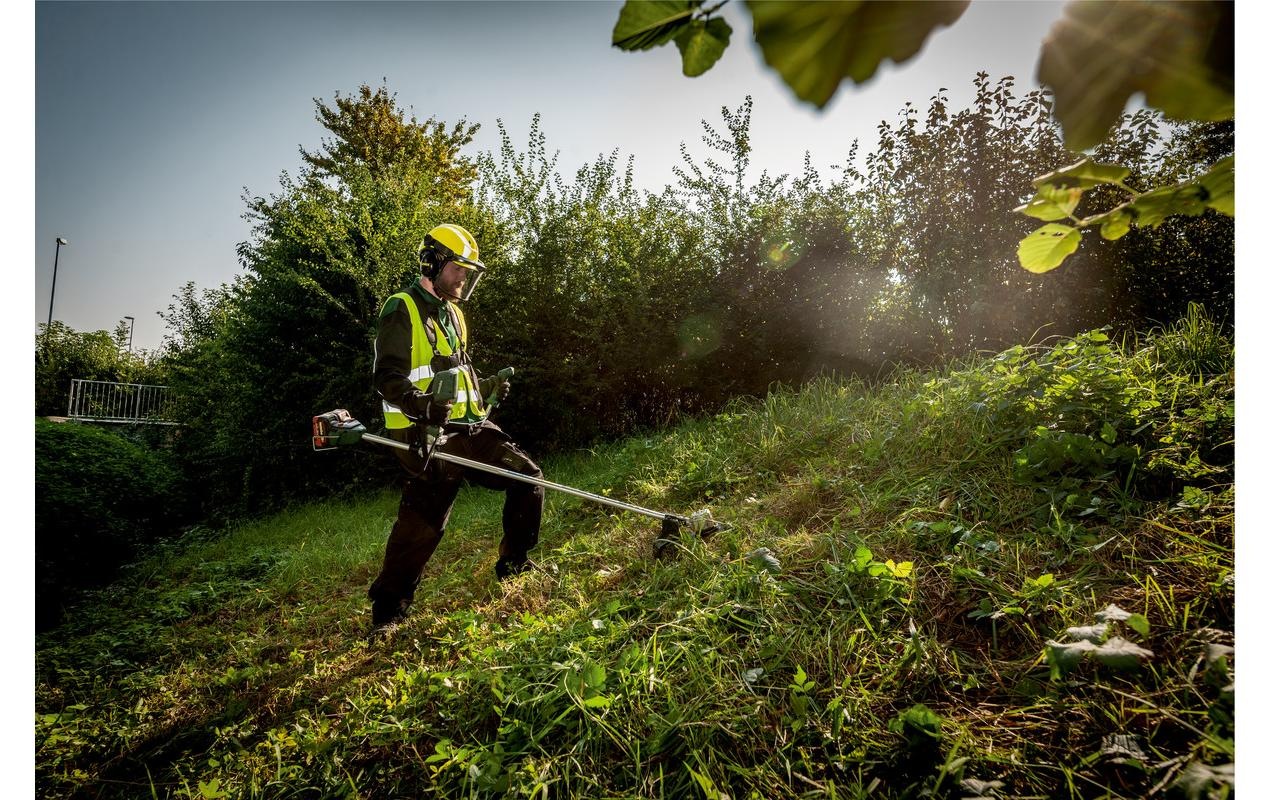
(152, 119)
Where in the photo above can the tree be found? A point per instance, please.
(295, 336)
(63, 354)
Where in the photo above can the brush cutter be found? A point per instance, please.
(338, 428)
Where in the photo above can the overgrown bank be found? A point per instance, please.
(1010, 578)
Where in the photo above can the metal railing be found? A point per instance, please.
(106, 401)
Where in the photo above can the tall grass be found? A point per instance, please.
(899, 610)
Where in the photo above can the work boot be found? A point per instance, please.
(508, 566)
(387, 614)
(382, 632)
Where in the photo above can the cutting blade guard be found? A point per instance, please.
(336, 429)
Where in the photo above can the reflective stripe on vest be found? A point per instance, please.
(421, 373)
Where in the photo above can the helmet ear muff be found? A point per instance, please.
(432, 257)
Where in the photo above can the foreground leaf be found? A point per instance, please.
(1179, 54)
(1051, 203)
(1113, 613)
(1047, 247)
(1121, 654)
(814, 46)
(1084, 174)
(645, 24)
(1200, 781)
(702, 43)
(1089, 633)
(1064, 656)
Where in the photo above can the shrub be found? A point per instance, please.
(98, 496)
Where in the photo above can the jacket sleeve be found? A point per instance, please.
(391, 378)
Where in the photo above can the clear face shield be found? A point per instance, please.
(474, 277)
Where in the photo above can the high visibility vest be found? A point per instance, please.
(467, 399)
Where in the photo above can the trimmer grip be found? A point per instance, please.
(504, 374)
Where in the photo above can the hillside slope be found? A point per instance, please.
(1011, 578)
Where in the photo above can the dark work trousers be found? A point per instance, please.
(427, 497)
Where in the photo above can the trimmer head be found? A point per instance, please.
(699, 522)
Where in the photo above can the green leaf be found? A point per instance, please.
(1084, 174)
(1108, 433)
(1219, 184)
(599, 701)
(862, 557)
(594, 676)
(645, 24)
(916, 721)
(702, 43)
(1138, 623)
(1179, 54)
(1119, 653)
(1047, 247)
(1152, 208)
(902, 570)
(1052, 203)
(814, 46)
(765, 559)
(1063, 656)
(1114, 224)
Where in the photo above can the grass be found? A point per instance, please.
(892, 615)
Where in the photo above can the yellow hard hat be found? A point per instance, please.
(449, 242)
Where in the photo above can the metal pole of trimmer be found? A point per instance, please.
(338, 429)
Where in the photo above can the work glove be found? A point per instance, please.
(431, 411)
(495, 384)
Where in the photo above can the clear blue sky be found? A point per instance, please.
(152, 118)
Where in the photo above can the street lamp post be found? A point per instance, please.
(53, 292)
(131, 322)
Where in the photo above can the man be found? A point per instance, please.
(421, 333)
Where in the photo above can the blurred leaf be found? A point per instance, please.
(702, 43)
(862, 557)
(1179, 54)
(1113, 613)
(764, 559)
(1084, 174)
(1052, 203)
(1219, 184)
(814, 46)
(1199, 781)
(1138, 623)
(1063, 656)
(1115, 224)
(1089, 633)
(917, 721)
(1123, 745)
(1047, 247)
(1121, 654)
(645, 24)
